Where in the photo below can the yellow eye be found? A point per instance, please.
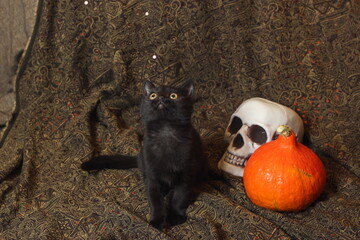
(153, 96)
(173, 96)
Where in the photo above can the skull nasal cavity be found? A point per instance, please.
(238, 141)
(235, 125)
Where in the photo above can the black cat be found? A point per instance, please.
(171, 159)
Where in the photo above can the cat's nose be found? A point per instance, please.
(161, 106)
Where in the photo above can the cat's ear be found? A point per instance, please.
(149, 87)
(188, 88)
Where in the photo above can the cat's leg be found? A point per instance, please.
(156, 202)
(179, 203)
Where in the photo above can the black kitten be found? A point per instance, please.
(171, 158)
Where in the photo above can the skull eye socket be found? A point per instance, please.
(235, 125)
(276, 135)
(238, 141)
(257, 134)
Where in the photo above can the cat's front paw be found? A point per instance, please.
(158, 223)
(175, 219)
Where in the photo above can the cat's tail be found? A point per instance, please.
(110, 162)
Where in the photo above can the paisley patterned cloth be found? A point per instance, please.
(79, 88)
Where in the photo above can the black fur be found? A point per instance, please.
(171, 158)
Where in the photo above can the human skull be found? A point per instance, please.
(252, 124)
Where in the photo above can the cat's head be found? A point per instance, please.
(162, 102)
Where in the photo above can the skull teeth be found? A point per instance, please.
(234, 160)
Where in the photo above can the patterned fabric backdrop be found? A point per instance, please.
(79, 88)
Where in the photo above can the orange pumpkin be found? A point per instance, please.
(284, 175)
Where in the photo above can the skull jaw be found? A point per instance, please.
(231, 168)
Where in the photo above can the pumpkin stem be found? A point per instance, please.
(284, 130)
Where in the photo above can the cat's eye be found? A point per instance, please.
(153, 96)
(173, 96)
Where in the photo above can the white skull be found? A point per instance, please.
(252, 124)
